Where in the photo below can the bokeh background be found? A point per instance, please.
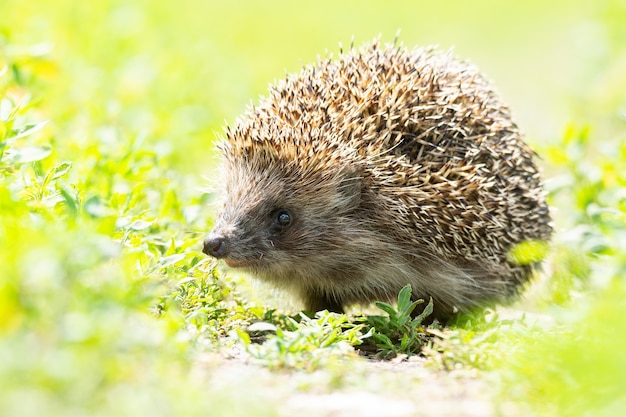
(179, 70)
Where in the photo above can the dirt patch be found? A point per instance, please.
(358, 387)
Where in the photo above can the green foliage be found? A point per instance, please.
(304, 343)
(578, 370)
(399, 332)
(528, 252)
(211, 307)
(86, 257)
(480, 340)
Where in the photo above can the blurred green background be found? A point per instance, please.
(102, 209)
(177, 70)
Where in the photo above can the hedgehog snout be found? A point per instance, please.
(216, 245)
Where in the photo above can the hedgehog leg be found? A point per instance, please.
(319, 302)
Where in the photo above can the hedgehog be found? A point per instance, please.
(384, 167)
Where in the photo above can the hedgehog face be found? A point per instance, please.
(275, 218)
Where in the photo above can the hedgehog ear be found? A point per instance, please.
(349, 188)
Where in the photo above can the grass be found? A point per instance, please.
(108, 113)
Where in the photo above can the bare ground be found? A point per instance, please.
(356, 387)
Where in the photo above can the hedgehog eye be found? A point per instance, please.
(283, 218)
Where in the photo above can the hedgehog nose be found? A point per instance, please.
(216, 246)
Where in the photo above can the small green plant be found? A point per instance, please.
(399, 332)
(304, 343)
(307, 343)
